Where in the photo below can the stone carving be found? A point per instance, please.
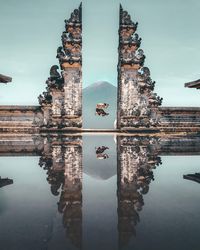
(129, 56)
(125, 20)
(54, 74)
(144, 80)
(72, 39)
(57, 107)
(70, 54)
(49, 99)
(62, 101)
(75, 19)
(45, 98)
(137, 104)
(61, 55)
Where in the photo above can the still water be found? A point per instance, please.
(99, 192)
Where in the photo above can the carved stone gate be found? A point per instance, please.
(137, 105)
(62, 102)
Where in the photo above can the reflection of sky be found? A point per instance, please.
(26, 219)
(31, 30)
(99, 194)
(170, 215)
(169, 218)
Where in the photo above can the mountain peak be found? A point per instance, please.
(99, 92)
(100, 84)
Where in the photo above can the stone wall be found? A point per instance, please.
(30, 119)
(179, 119)
(20, 118)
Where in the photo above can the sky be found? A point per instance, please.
(30, 32)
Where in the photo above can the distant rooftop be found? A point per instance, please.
(5, 79)
(194, 84)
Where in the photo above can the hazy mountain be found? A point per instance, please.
(96, 93)
(92, 166)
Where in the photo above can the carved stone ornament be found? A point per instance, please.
(61, 103)
(137, 104)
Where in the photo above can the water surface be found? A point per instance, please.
(66, 194)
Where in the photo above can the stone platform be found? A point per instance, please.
(29, 119)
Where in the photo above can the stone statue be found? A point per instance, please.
(75, 17)
(61, 54)
(54, 74)
(126, 19)
(139, 57)
(46, 98)
(144, 80)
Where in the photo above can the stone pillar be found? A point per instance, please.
(137, 104)
(72, 96)
(64, 89)
(70, 58)
(46, 110)
(57, 107)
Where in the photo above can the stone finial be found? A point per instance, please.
(125, 19)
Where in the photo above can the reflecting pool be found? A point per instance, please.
(99, 192)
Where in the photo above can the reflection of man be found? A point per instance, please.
(101, 112)
(100, 150)
(102, 156)
(100, 153)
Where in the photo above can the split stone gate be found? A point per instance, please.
(62, 102)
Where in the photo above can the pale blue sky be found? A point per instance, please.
(31, 30)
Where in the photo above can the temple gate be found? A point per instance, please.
(137, 104)
(62, 102)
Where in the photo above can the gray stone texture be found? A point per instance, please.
(62, 101)
(137, 103)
